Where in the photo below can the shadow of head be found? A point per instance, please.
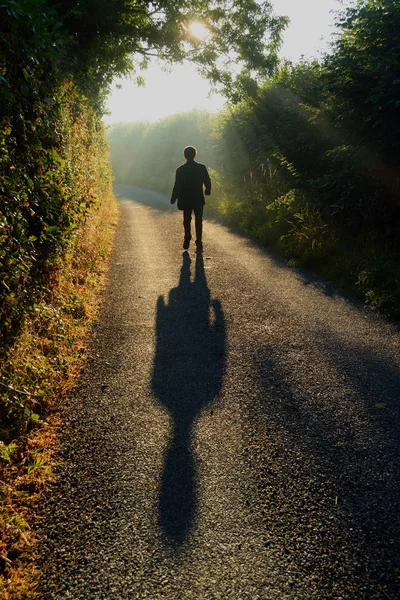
(188, 373)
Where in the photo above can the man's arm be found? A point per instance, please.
(175, 191)
(207, 182)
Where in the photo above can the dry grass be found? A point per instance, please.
(36, 376)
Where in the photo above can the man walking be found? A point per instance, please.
(188, 190)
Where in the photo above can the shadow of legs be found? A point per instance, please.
(177, 503)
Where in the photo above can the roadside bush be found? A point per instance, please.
(53, 157)
(280, 214)
(310, 239)
(379, 281)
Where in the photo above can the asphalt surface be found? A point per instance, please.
(235, 435)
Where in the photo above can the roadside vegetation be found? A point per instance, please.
(56, 222)
(308, 162)
(38, 371)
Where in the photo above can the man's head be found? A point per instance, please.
(189, 152)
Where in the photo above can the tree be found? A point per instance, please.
(362, 74)
(114, 37)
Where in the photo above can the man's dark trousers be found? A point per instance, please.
(198, 219)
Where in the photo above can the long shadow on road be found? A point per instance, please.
(188, 374)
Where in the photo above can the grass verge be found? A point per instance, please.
(36, 374)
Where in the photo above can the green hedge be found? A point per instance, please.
(53, 157)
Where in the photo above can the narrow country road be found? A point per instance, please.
(235, 435)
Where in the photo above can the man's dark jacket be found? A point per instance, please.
(189, 181)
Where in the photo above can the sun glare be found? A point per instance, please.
(198, 30)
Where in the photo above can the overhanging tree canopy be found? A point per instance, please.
(114, 37)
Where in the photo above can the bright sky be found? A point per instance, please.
(184, 89)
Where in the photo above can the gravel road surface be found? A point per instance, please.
(235, 434)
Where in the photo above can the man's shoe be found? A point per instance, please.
(186, 243)
(199, 246)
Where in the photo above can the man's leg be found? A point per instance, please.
(198, 214)
(187, 219)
